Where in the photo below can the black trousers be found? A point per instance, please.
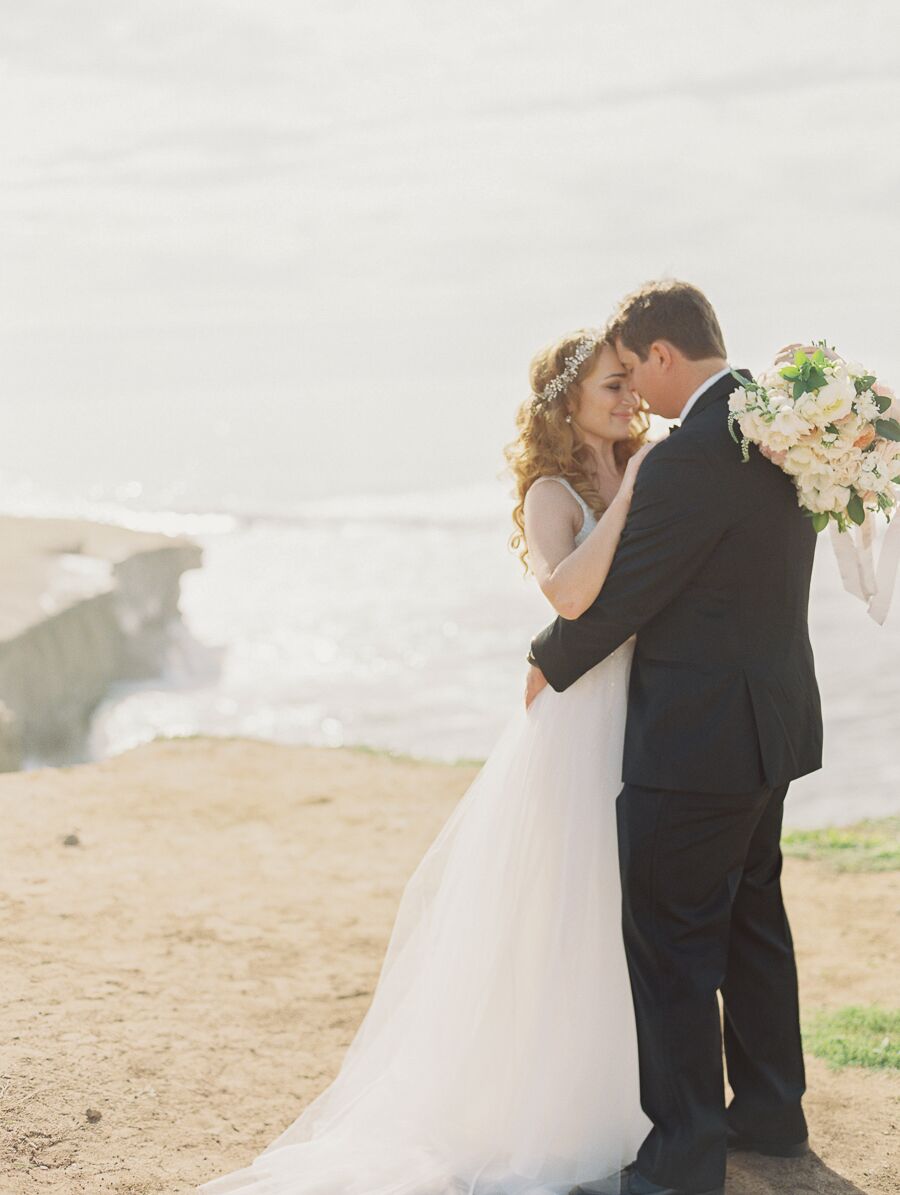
(702, 912)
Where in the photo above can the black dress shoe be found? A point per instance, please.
(630, 1182)
(737, 1142)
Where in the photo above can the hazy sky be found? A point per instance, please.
(257, 249)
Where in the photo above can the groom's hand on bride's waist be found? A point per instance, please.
(534, 682)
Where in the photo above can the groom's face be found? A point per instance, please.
(650, 379)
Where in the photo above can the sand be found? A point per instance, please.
(180, 982)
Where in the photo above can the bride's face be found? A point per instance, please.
(606, 406)
(652, 378)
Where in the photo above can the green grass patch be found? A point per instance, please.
(867, 846)
(856, 1036)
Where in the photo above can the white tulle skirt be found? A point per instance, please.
(498, 1056)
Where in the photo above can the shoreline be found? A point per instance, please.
(185, 978)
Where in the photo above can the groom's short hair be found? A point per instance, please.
(668, 310)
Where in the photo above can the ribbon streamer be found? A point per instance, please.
(855, 560)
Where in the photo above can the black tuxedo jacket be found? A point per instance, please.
(712, 572)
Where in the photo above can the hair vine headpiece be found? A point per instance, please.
(563, 380)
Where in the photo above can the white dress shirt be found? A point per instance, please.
(701, 389)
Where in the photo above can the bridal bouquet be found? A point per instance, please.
(828, 424)
(833, 428)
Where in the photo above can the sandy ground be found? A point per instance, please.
(180, 983)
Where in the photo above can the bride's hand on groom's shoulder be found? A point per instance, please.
(534, 682)
(631, 469)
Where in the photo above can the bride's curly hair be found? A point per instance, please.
(548, 446)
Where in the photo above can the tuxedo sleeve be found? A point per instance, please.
(679, 513)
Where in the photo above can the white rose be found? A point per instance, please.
(753, 426)
(827, 497)
(799, 459)
(788, 423)
(833, 401)
(810, 498)
(841, 456)
(807, 408)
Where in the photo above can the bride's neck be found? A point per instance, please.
(607, 467)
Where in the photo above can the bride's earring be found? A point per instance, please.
(568, 419)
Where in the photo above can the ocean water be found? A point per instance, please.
(402, 624)
(273, 272)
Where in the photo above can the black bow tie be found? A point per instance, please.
(676, 427)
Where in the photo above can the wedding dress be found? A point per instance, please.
(498, 1056)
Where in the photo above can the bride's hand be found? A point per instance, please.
(534, 682)
(785, 356)
(631, 471)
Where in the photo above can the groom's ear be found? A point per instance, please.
(662, 355)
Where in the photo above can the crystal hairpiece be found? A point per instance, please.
(562, 381)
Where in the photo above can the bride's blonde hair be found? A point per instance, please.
(547, 445)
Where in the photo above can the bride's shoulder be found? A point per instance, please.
(553, 492)
(551, 496)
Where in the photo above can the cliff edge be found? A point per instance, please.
(82, 605)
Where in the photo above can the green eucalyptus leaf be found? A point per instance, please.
(799, 388)
(882, 402)
(888, 429)
(790, 372)
(800, 358)
(819, 522)
(856, 510)
(815, 379)
(818, 358)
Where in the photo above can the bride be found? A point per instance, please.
(498, 1056)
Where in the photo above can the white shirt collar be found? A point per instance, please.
(701, 389)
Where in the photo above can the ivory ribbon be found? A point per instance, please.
(855, 560)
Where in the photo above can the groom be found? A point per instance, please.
(712, 573)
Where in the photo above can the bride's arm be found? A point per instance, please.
(570, 577)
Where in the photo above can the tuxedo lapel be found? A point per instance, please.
(719, 390)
